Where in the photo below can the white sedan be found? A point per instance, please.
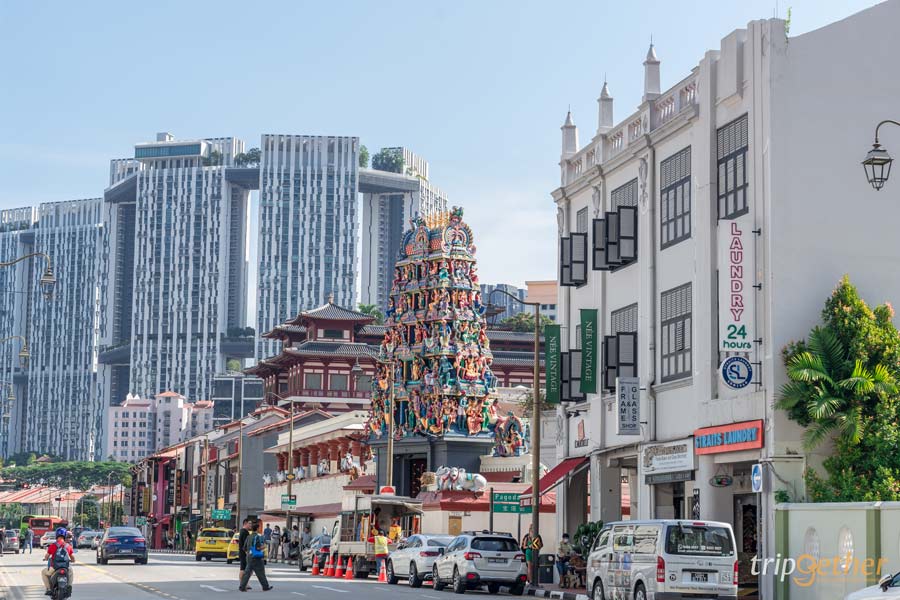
(888, 588)
(48, 538)
(414, 557)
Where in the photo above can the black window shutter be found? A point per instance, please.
(600, 263)
(579, 258)
(611, 239)
(610, 357)
(628, 230)
(565, 262)
(626, 349)
(575, 376)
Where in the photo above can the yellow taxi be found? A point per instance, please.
(233, 549)
(212, 542)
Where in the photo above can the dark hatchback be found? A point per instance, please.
(122, 543)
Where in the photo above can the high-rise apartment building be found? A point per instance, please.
(390, 200)
(58, 407)
(177, 282)
(308, 226)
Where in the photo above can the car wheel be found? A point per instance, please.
(230, 561)
(597, 591)
(197, 557)
(517, 590)
(639, 592)
(435, 580)
(459, 585)
(391, 576)
(209, 558)
(414, 580)
(493, 588)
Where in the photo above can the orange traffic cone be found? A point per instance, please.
(339, 572)
(315, 569)
(329, 568)
(349, 573)
(382, 574)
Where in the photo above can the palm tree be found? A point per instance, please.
(373, 311)
(831, 393)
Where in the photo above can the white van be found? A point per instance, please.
(663, 560)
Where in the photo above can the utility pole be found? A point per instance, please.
(205, 465)
(536, 441)
(240, 466)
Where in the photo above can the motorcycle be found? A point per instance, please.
(60, 588)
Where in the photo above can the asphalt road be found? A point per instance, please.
(179, 577)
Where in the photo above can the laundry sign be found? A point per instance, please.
(588, 351)
(737, 276)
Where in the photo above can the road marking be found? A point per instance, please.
(427, 596)
(298, 593)
(331, 589)
(213, 589)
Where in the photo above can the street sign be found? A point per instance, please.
(290, 477)
(756, 478)
(140, 521)
(288, 502)
(737, 373)
(628, 393)
(387, 490)
(221, 514)
(505, 502)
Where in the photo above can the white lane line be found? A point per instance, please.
(331, 589)
(427, 596)
(298, 594)
(213, 589)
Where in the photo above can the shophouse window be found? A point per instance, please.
(731, 141)
(675, 198)
(581, 220)
(675, 312)
(626, 195)
(620, 347)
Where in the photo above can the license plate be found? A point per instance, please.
(699, 577)
(497, 560)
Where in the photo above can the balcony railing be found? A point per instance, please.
(330, 393)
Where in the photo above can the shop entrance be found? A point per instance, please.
(746, 533)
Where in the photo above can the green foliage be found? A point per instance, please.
(213, 160)
(80, 475)
(388, 159)
(250, 158)
(363, 157)
(782, 497)
(843, 385)
(373, 311)
(240, 332)
(233, 365)
(524, 322)
(585, 535)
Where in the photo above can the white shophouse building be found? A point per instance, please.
(713, 222)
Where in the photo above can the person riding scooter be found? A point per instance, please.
(59, 556)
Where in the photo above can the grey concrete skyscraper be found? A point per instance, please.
(308, 227)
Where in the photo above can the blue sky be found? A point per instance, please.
(479, 88)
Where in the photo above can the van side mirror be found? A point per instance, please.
(441, 551)
(885, 582)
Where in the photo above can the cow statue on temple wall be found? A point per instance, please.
(456, 479)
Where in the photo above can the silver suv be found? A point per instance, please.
(473, 560)
(414, 558)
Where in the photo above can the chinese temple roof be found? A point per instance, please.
(326, 348)
(332, 312)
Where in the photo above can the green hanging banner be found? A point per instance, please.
(588, 351)
(551, 362)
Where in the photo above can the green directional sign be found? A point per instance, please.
(288, 502)
(506, 502)
(140, 521)
(221, 514)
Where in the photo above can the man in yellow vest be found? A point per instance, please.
(381, 543)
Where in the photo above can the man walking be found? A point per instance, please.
(29, 540)
(295, 541)
(305, 538)
(253, 549)
(242, 552)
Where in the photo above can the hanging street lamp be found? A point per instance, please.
(47, 280)
(877, 163)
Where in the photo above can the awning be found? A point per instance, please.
(555, 476)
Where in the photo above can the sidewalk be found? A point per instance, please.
(552, 591)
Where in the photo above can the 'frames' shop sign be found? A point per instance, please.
(729, 438)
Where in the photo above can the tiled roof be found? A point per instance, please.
(324, 348)
(513, 336)
(372, 329)
(511, 358)
(331, 311)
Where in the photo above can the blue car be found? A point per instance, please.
(122, 543)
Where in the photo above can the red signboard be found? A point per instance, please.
(387, 490)
(747, 435)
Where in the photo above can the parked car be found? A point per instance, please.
(233, 550)
(126, 543)
(212, 542)
(667, 558)
(11, 543)
(414, 558)
(47, 539)
(473, 560)
(888, 588)
(86, 539)
(318, 550)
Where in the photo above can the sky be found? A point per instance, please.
(478, 88)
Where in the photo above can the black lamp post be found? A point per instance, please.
(877, 163)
